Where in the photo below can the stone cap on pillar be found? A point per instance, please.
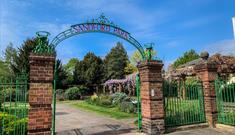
(204, 64)
(150, 71)
(37, 57)
(157, 65)
(206, 71)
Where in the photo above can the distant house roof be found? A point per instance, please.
(191, 63)
(225, 65)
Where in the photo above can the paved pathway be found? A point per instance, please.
(73, 121)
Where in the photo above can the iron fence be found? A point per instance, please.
(14, 105)
(183, 104)
(225, 100)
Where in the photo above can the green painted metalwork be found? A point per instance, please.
(14, 105)
(225, 100)
(139, 102)
(183, 104)
(149, 49)
(43, 46)
(54, 100)
(101, 25)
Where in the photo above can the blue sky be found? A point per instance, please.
(175, 26)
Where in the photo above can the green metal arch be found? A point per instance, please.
(72, 32)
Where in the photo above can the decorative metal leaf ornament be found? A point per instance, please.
(43, 46)
(103, 20)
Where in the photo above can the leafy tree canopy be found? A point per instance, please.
(129, 69)
(115, 62)
(187, 57)
(61, 81)
(89, 71)
(20, 62)
(10, 54)
(136, 57)
(70, 68)
(4, 70)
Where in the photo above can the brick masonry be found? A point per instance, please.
(207, 72)
(152, 97)
(40, 94)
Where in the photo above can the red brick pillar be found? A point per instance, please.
(152, 97)
(40, 94)
(207, 72)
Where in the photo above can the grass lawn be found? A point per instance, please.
(111, 112)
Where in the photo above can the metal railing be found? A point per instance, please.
(14, 106)
(225, 100)
(183, 104)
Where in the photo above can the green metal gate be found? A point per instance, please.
(225, 100)
(14, 105)
(183, 104)
(139, 102)
(54, 99)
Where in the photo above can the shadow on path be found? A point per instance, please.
(106, 129)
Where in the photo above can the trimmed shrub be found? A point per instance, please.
(83, 90)
(120, 100)
(72, 93)
(102, 100)
(128, 106)
(75, 93)
(119, 97)
(105, 101)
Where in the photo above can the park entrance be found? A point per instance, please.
(100, 25)
(162, 104)
(43, 76)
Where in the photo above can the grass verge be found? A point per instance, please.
(111, 112)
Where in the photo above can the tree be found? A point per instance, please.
(10, 54)
(61, 81)
(136, 57)
(4, 70)
(78, 75)
(89, 71)
(70, 68)
(94, 73)
(21, 61)
(129, 69)
(115, 62)
(187, 57)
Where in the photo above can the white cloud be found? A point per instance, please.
(226, 47)
(140, 21)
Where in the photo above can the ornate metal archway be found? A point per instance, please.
(100, 25)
